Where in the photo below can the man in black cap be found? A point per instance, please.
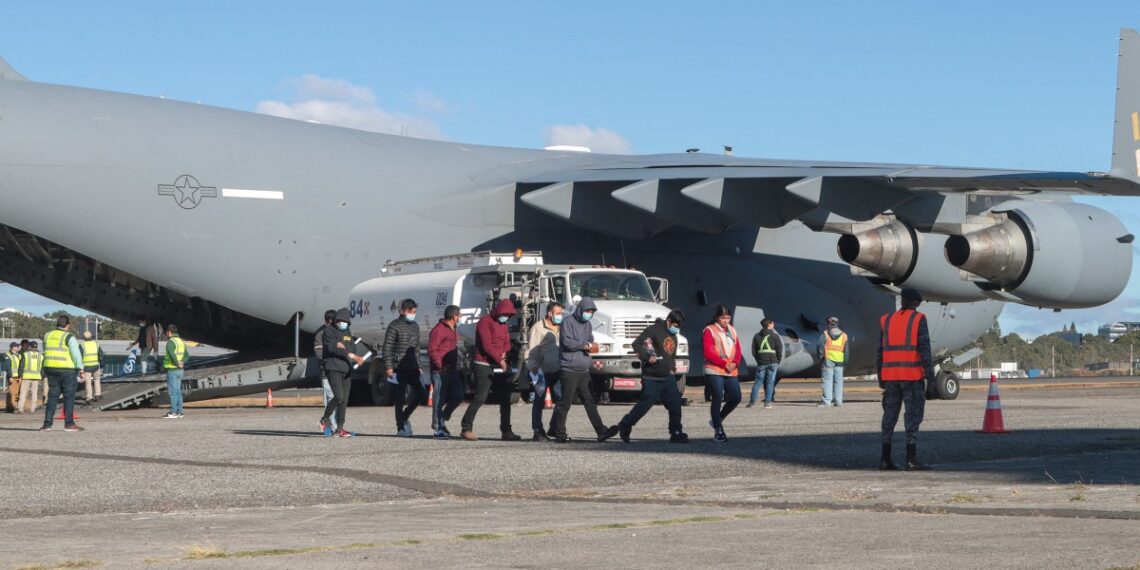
(834, 351)
(903, 362)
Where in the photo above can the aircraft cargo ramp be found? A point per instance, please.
(212, 380)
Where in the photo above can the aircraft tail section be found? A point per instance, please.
(6, 72)
(1126, 135)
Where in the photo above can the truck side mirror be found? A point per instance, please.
(660, 287)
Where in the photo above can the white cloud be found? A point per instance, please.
(597, 140)
(340, 103)
(429, 102)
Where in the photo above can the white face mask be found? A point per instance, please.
(342, 326)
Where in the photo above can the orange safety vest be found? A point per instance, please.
(901, 361)
(726, 349)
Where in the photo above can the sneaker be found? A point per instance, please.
(751, 405)
(625, 432)
(511, 436)
(323, 425)
(468, 435)
(767, 405)
(45, 427)
(679, 437)
(404, 432)
(720, 437)
(72, 427)
(345, 433)
(822, 405)
(441, 434)
(328, 431)
(539, 435)
(179, 416)
(170, 416)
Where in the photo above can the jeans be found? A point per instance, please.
(327, 393)
(449, 393)
(410, 378)
(832, 380)
(576, 385)
(174, 386)
(724, 389)
(341, 384)
(66, 381)
(538, 400)
(487, 382)
(654, 390)
(766, 377)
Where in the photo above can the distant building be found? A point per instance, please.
(1116, 330)
(1073, 338)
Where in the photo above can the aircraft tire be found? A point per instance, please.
(947, 385)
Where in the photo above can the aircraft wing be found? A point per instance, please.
(639, 196)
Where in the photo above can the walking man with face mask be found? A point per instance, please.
(338, 361)
(577, 344)
(402, 361)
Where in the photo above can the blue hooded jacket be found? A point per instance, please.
(575, 335)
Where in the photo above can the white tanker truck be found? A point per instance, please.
(626, 300)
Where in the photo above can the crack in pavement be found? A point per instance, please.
(436, 489)
(429, 488)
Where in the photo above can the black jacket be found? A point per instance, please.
(774, 342)
(655, 340)
(336, 359)
(402, 345)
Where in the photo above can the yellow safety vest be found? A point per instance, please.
(14, 359)
(56, 352)
(90, 354)
(179, 354)
(833, 348)
(33, 366)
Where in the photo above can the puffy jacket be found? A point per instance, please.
(336, 359)
(542, 349)
(656, 340)
(575, 335)
(443, 348)
(492, 338)
(402, 345)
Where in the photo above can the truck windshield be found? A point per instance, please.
(611, 286)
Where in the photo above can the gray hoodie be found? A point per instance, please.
(574, 337)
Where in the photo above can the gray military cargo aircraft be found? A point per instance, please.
(232, 224)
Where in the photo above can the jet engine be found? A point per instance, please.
(1058, 255)
(894, 256)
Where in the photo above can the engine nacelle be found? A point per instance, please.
(894, 256)
(1057, 255)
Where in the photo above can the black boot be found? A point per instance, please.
(912, 462)
(886, 464)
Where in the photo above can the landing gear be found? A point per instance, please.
(945, 386)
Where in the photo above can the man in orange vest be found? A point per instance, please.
(903, 363)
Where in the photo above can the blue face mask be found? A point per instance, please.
(556, 319)
(587, 316)
(504, 319)
(410, 318)
(342, 326)
(673, 330)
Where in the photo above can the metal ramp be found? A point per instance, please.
(218, 381)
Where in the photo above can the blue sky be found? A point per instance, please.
(1006, 84)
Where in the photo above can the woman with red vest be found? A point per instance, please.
(903, 363)
(722, 364)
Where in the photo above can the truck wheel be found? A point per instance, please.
(947, 385)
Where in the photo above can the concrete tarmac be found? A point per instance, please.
(794, 487)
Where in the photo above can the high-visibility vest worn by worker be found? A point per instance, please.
(14, 361)
(56, 352)
(90, 354)
(724, 343)
(833, 348)
(901, 360)
(766, 345)
(179, 354)
(33, 365)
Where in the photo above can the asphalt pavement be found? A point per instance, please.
(795, 486)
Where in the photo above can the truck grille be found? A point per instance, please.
(630, 328)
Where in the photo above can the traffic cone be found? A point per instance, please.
(61, 416)
(431, 395)
(993, 422)
(269, 398)
(549, 403)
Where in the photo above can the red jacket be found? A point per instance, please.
(492, 338)
(443, 348)
(713, 357)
